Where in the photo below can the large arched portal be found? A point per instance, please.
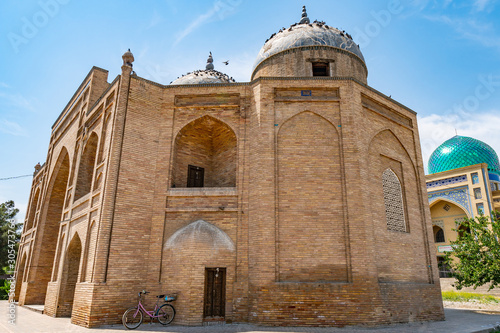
(205, 155)
(48, 230)
(446, 217)
(69, 278)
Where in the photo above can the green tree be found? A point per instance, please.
(475, 258)
(10, 234)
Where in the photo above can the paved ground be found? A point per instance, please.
(457, 321)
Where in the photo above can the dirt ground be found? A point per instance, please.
(473, 305)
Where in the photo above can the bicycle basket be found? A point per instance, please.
(170, 298)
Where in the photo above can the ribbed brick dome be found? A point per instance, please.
(306, 33)
(207, 76)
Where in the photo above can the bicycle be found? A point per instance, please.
(165, 313)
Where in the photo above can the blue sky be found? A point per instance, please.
(440, 58)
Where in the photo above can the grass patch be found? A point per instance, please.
(460, 296)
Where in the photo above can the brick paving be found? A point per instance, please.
(457, 321)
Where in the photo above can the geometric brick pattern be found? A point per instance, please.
(393, 198)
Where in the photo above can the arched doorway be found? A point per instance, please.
(205, 155)
(205, 253)
(69, 278)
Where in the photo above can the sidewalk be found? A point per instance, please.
(457, 321)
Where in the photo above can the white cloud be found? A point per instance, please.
(12, 128)
(16, 100)
(155, 20)
(435, 129)
(480, 5)
(200, 20)
(471, 29)
(221, 8)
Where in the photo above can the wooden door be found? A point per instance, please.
(215, 294)
(196, 176)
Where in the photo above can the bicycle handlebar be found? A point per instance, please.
(143, 292)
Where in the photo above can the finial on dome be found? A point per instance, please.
(305, 19)
(210, 60)
(128, 58)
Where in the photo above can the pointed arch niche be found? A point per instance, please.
(86, 167)
(310, 201)
(20, 277)
(71, 268)
(398, 225)
(206, 148)
(32, 211)
(188, 252)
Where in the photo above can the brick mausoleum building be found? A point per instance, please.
(297, 198)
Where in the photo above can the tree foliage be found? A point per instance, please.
(9, 230)
(10, 234)
(475, 258)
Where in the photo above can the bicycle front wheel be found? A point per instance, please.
(132, 318)
(166, 314)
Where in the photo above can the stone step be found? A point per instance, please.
(35, 307)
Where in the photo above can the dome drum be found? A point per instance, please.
(300, 62)
(288, 52)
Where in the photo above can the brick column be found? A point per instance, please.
(113, 173)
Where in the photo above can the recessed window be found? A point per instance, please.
(196, 176)
(477, 193)
(320, 69)
(439, 237)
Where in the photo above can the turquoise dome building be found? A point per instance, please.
(463, 151)
(463, 182)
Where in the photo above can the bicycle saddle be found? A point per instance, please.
(160, 296)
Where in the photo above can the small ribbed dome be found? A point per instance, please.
(307, 34)
(206, 76)
(462, 151)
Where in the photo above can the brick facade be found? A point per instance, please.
(292, 206)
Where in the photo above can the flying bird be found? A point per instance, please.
(226, 62)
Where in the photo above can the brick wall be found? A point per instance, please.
(310, 201)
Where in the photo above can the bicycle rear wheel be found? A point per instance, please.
(132, 318)
(166, 314)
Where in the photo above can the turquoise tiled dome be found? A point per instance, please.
(462, 151)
